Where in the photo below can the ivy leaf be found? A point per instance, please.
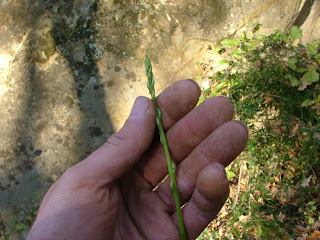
(295, 33)
(293, 81)
(230, 42)
(308, 102)
(311, 49)
(292, 64)
(308, 78)
(311, 76)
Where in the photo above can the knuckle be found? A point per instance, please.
(116, 139)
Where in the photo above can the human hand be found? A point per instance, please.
(111, 194)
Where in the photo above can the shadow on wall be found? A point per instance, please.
(34, 96)
(74, 36)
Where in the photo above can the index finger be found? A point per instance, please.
(177, 100)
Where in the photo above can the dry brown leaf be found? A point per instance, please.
(315, 235)
(268, 100)
(306, 182)
(244, 219)
(281, 217)
(303, 84)
(276, 123)
(269, 217)
(224, 215)
(295, 130)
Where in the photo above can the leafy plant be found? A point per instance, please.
(273, 82)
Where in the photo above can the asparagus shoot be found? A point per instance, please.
(170, 163)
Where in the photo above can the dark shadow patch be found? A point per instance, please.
(304, 13)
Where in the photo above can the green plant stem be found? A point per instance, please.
(170, 164)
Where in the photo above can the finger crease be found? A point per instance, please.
(193, 138)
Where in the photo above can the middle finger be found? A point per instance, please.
(184, 136)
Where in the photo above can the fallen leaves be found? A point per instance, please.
(306, 182)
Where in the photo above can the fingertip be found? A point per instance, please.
(207, 200)
(177, 100)
(212, 183)
(140, 108)
(227, 102)
(244, 128)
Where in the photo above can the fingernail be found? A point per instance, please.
(139, 108)
(219, 166)
(243, 125)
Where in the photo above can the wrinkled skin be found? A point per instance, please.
(113, 194)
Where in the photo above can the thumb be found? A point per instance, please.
(123, 149)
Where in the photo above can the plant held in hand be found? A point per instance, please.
(170, 163)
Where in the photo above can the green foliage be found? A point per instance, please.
(274, 84)
(26, 218)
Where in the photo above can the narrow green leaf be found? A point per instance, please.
(201, 99)
(198, 77)
(217, 89)
(295, 33)
(207, 91)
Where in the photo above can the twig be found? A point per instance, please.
(171, 165)
(3, 227)
(238, 191)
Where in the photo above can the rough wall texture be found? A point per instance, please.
(70, 71)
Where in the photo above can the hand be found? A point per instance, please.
(113, 194)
